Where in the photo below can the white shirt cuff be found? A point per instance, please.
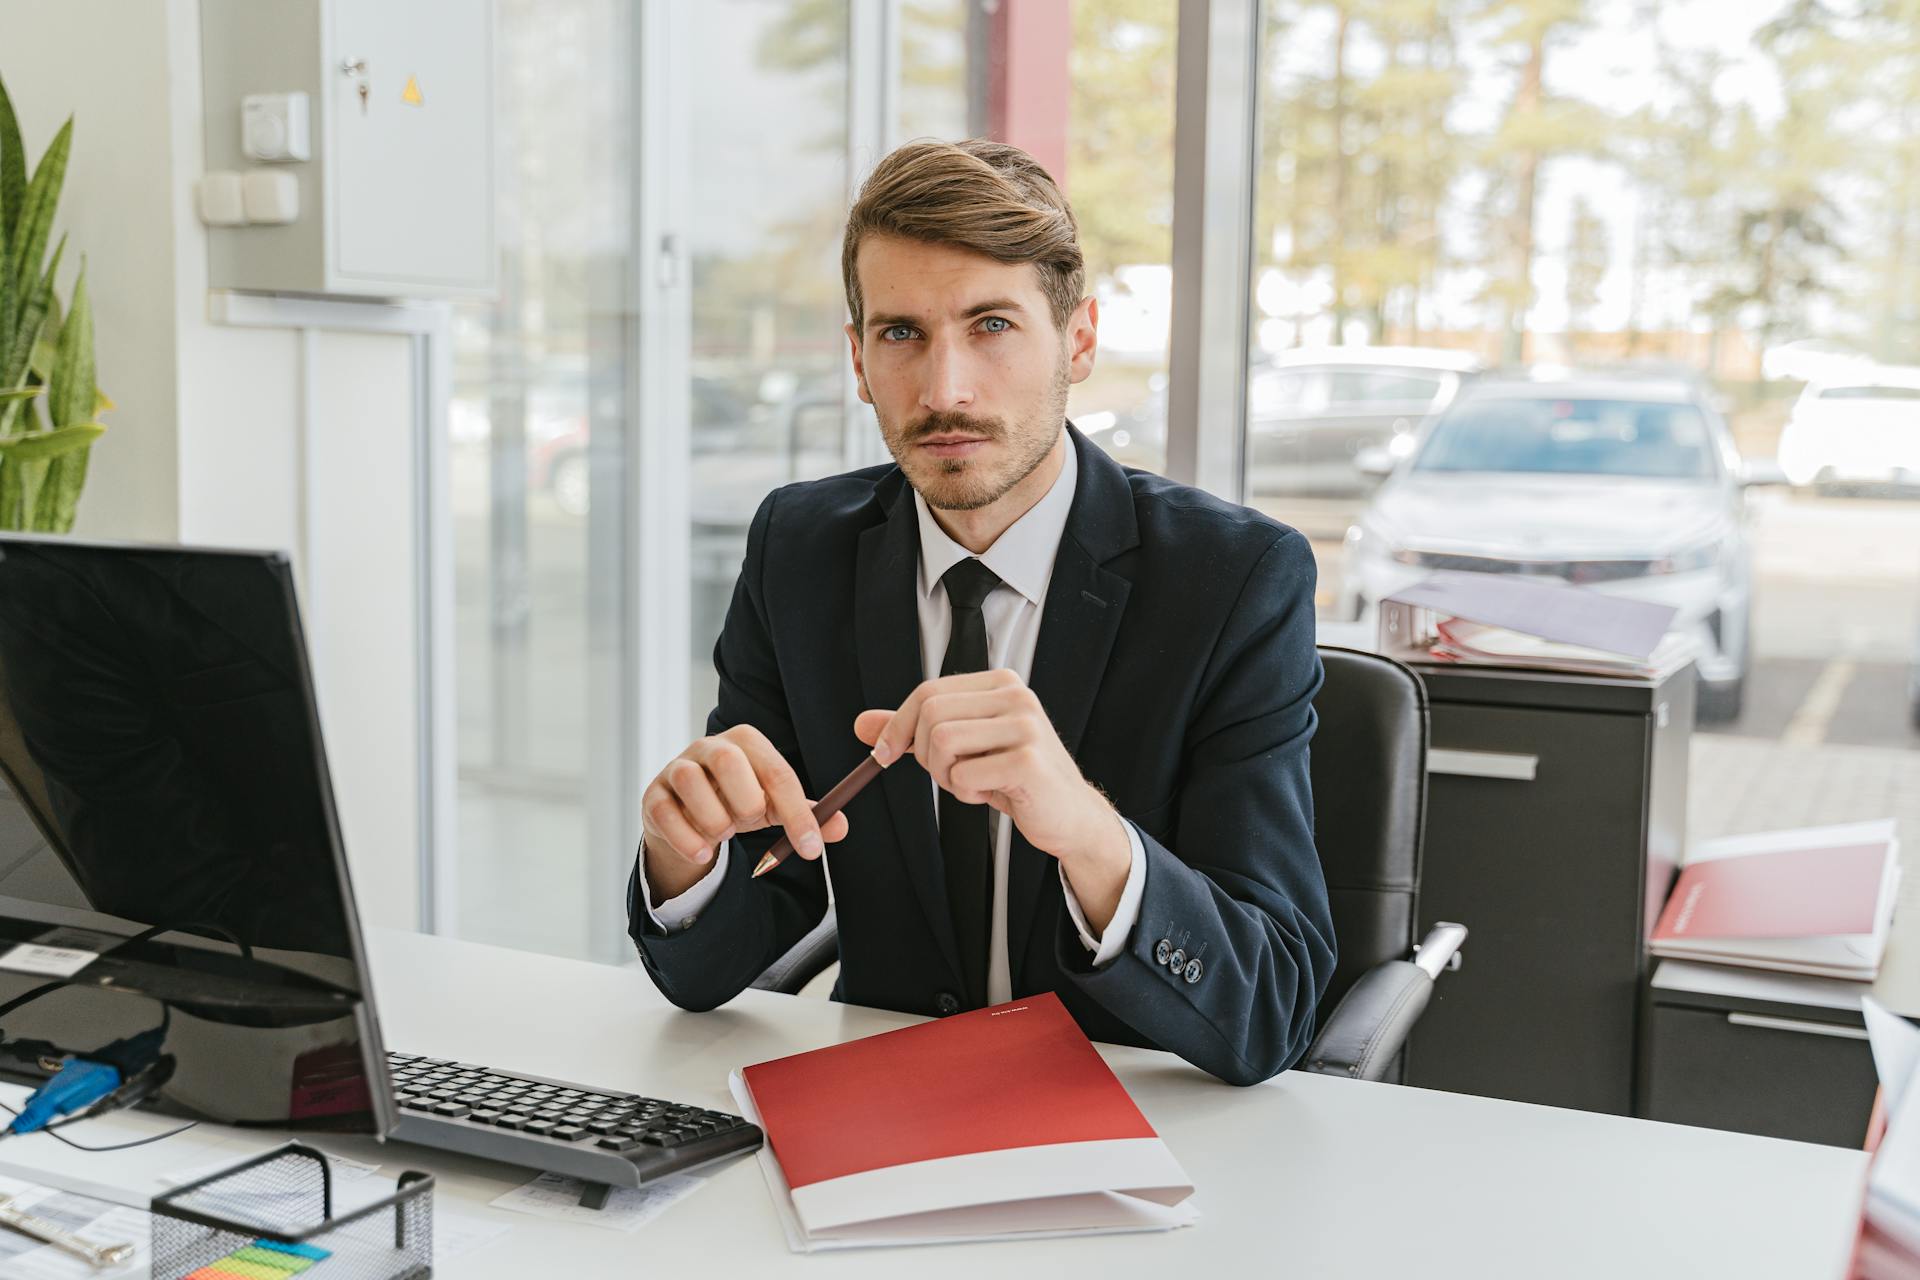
(1120, 928)
(679, 913)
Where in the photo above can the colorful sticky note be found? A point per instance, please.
(286, 1264)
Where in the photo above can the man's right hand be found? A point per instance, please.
(731, 782)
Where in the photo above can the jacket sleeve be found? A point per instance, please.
(749, 924)
(1238, 888)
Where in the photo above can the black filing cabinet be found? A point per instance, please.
(1556, 813)
(1775, 1063)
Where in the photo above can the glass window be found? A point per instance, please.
(538, 400)
(1383, 386)
(769, 114)
(1570, 437)
(1607, 197)
(1091, 96)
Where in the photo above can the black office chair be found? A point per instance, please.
(1369, 771)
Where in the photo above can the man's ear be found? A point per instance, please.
(1082, 330)
(859, 369)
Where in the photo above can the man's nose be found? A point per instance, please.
(949, 379)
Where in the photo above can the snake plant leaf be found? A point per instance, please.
(7, 307)
(33, 475)
(13, 166)
(41, 363)
(60, 495)
(34, 223)
(9, 496)
(38, 446)
(70, 390)
(16, 360)
(19, 393)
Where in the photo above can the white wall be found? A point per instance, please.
(208, 445)
(102, 62)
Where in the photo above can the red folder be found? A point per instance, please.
(1817, 900)
(1796, 893)
(1000, 1122)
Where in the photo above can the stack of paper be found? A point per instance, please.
(1500, 620)
(1890, 1241)
(1004, 1122)
(1817, 900)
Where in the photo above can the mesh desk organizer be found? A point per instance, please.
(272, 1217)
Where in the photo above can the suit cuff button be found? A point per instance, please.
(1161, 950)
(1177, 960)
(1193, 970)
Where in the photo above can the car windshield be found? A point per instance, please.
(1572, 436)
(1871, 393)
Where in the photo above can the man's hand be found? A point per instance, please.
(731, 782)
(985, 737)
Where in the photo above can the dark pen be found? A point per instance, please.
(831, 803)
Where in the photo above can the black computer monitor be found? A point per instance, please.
(168, 840)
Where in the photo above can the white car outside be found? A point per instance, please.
(1863, 428)
(1630, 487)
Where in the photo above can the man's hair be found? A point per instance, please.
(987, 197)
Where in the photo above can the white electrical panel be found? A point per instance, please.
(366, 129)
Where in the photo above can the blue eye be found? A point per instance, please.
(896, 333)
(1004, 323)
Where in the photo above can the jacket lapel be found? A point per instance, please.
(1085, 602)
(887, 646)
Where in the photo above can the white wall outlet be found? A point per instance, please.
(222, 202)
(271, 196)
(274, 126)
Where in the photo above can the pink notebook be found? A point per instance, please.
(1796, 893)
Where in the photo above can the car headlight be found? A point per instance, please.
(1690, 559)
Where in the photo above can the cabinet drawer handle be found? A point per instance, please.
(1796, 1024)
(1482, 764)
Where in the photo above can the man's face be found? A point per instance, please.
(964, 366)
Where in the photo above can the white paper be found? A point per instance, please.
(1896, 1049)
(51, 962)
(1893, 1186)
(628, 1209)
(344, 1170)
(353, 1186)
(95, 1221)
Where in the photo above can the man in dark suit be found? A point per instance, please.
(1092, 687)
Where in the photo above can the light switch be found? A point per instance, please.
(271, 196)
(274, 126)
(222, 203)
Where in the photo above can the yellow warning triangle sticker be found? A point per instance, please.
(411, 94)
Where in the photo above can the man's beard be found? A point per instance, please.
(964, 484)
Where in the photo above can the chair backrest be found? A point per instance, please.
(1369, 772)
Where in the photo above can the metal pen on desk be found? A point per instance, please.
(831, 803)
(99, 1255)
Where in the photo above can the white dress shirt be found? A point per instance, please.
(1022, 558)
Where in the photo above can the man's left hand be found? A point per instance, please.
(985, 737)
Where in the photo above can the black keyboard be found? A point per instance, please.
(609, 1139)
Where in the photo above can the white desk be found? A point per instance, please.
(1304, 1176)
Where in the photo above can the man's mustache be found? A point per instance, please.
(940, 424)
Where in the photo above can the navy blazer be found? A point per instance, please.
(1176, 659)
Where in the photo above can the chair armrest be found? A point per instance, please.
(1370, 1026)
(805, 960)
(1371, 1023)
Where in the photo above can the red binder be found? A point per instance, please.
(1817, 900)
(996, 1123)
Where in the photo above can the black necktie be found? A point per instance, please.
(965, 840)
